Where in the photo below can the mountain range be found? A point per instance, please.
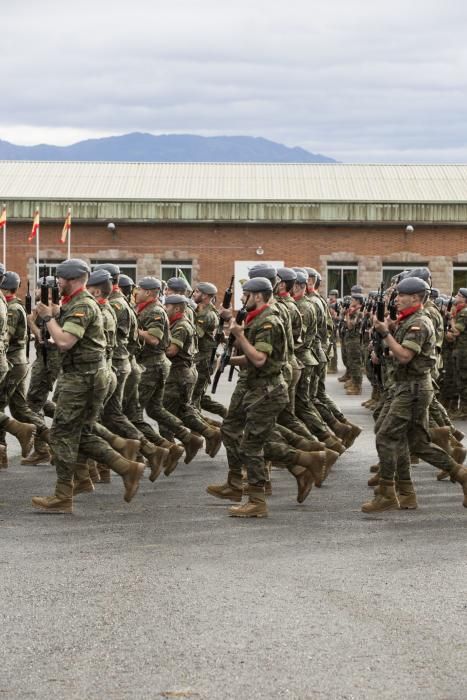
(166, 148)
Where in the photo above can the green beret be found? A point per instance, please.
(110, 267)
(412, 285)
(263, 270)
(207, 288)
(72, 269)
(176, 299)
(258, 284)
(98, 276)
(286, 274)
(11, 280)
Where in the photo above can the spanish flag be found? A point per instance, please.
(3, 218)
(35, 226)
(66, 227)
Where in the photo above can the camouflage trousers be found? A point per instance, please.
(79, 401)
(131, 406)
(305, 408)
(354, 359)
(152, 398)
(201, 399)
(178, 399)
(249, 425)
(42, 380)
(402, 429)
(13, 395)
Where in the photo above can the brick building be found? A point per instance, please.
(349, 221)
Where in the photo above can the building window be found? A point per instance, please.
(177, 268)
(459, 277)
(392, 269)
(127, 267)
(342, 277)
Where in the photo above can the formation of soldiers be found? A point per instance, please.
(111, 355)
(415, 358)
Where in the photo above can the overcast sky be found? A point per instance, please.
(357, 80)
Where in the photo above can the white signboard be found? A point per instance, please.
(241, 274)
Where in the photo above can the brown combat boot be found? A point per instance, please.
(353, 389)
(374, 480)
(440, 436)
(105, 475)
(157, 458)
(93, 472)
(213, 439)
(232, 490)
(40, 455)
(459, 475)
(355, 431)
(128, 448)
(308, 445)
(255, 507)
(459, 454)
(406, 495)
(305, 481)
(374, 468)
(314, 461)
(458, 434)
(23, 432)
(3, 457)
(441, 475)
(385, 499)
(193, 443)
(82, 486)
(131, 473)
(344, 378)
(60, 502)
(176, 452)
(333, 443)
(340, 429)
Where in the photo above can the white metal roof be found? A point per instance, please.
(241, 182)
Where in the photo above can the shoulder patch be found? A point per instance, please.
(266, 326)
(415, 328)
(117, 305)
(79, 314)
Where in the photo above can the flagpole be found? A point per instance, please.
(69, 234)
(37, 256)
(4, 244)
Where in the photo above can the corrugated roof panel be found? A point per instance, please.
(307, 182)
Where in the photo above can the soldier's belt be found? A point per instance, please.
(85, 367)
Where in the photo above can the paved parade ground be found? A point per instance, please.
(169, 598)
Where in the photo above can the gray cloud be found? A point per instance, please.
(355, 80)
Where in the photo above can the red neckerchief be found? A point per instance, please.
(253, 314)
(142, 305)
(176, 317)
(408, 312)
(283, 294)
(69, 297)
(454, 311)
(102, 301)
(9, 297)
(116, 288)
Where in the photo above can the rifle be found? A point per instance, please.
(392, 305)
(44, 300)
(376, 338)
(220, 329)
(447, 315)
(28, 307)
(227, 354)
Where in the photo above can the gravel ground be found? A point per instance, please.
(169, 598)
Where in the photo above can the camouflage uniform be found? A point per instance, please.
(354, 347)
(13, 387)
(182, 377)
(43, 375)
(258, 398)
(206, 322)
(155, 372)
(403, 422)
(460, 353)
(81, 388)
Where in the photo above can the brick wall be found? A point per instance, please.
(214, 248)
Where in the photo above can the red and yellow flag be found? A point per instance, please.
(66, 227)
(35, 226)
(3, 217)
